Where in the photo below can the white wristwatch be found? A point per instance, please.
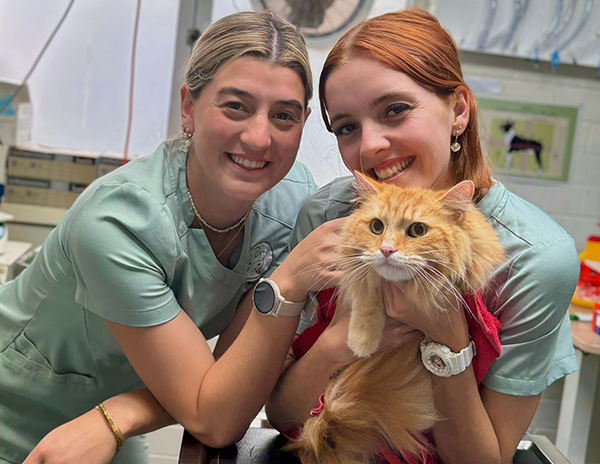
(269, 301)
(441, 361)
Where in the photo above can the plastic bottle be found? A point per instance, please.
(588, 288)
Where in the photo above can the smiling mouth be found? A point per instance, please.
(246, 163)
(391, 171)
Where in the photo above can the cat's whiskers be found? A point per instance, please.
(334, 263)
(346, 264)
(453, 290)
(460, 276)
(427, 279)
(354, 276)
(445, 263)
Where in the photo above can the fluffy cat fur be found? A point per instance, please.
(385, 398)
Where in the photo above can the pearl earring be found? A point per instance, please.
(455, 147)
(188, 134)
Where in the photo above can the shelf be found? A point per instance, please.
(32, 214)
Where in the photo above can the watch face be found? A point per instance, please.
(436, 364)
(264, 298)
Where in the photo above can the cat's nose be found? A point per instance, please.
(387, 250)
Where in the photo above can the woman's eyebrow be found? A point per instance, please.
(244, 93)
(294, 103)
(236, 91)
(338, 117)
(393, 95)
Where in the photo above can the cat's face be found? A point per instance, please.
(406, 234)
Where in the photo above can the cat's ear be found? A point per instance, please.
(364, 186)
(459, 197)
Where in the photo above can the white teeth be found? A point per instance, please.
(246, 162)
(386, 173)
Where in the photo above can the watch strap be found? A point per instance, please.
(461, 360)
(282, 307)
(289, 308)
(435, 353)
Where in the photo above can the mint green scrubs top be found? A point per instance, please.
(123, 252)
(530, 293)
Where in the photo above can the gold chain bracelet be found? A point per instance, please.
(114, 427)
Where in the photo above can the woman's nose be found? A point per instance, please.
(373, 141)
(257, 133)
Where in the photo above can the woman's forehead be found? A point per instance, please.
(252, 77)
(369, 83)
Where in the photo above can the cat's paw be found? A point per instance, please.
(363, 346)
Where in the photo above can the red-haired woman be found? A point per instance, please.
(393, 93)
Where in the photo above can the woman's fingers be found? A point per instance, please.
(397, 333)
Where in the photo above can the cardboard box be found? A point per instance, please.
(108, 162)
(9, 127)
(41, 192)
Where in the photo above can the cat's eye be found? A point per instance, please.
(377, 227)
(416, 230)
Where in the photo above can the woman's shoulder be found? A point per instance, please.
(129, 201)
(283, 201)
(331, 201)
(523, 227)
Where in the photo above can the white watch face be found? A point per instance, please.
(436, 364)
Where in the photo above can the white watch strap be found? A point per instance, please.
(461, 360)
(290, 308)
(282, 306)
(441, 361)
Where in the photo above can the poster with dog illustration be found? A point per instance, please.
(528, 139)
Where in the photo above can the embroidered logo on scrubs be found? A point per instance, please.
(260, 258)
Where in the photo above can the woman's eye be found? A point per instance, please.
(234, 105)
(416, 230)
(284, 117)
(377, 226)
(395, 110)
(344, 129)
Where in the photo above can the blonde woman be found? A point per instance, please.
(161, 255)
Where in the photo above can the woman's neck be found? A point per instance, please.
(213, 206)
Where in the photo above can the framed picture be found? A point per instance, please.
(528, 139)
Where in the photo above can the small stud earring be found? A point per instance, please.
(455, 147)
(188, 134)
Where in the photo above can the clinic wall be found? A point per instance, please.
(574, 204)
(80, 88)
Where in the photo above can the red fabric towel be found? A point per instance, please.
(484, 329)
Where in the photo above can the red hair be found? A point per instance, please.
(413, 42)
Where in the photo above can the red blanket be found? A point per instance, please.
(484, 329)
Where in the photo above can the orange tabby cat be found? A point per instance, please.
(441, 247)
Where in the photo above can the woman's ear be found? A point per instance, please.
(461, 108)
(307, 113)
(187, 107)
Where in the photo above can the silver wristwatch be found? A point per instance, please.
(269, 301)
(441, 361)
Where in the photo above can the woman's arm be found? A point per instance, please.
(303, 380)
(216, 401)
(134, 412)
(479, 426)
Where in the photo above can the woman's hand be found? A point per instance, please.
(87, 438)
(398, 333)
(335, 337)
(313, 264)
(447, 327)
